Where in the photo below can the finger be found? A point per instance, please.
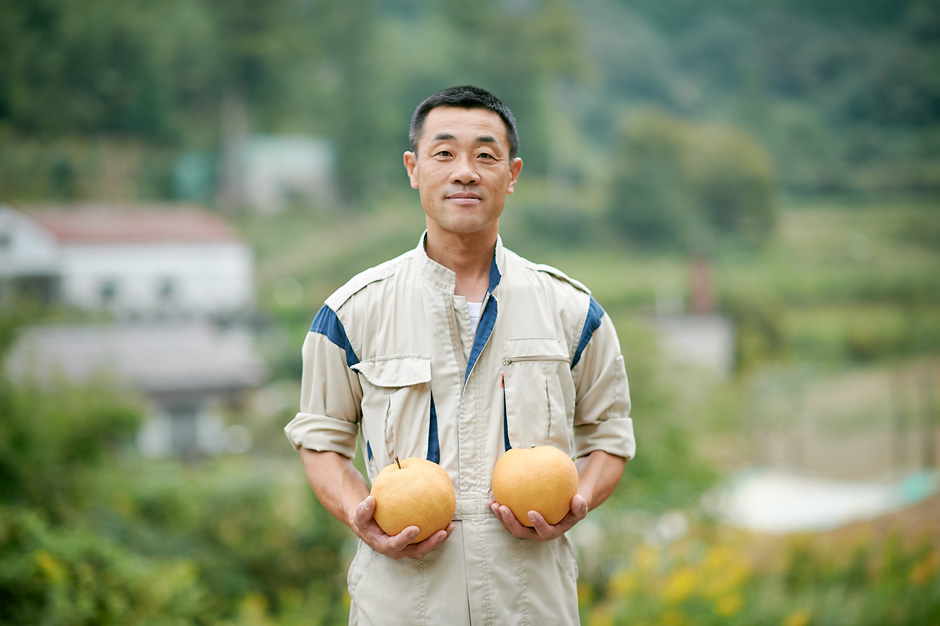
(507, 517)
(430, 544)
(365, 511)
(420, 550)
(512, 524)
(403, 539)
(542, 528)
(503, 514)
(579, 510)
(579, 507)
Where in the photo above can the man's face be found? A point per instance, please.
(462, 170)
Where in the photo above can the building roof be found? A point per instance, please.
(135, 223)
(168, 358)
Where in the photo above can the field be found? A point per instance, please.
(836, 369)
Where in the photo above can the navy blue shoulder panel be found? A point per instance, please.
(327, 324)
(593, 321)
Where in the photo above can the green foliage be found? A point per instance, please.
(844, 96)
(760, 333)
(96, 541)
(717, 577)
(55, 575)
(686, 185)
(669, 470)
(246, 533)
(99, 68)
(91, 533)
(49, 441)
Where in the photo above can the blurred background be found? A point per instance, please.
(749, 189)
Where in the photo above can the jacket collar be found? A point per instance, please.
(445, 279)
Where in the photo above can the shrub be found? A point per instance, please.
(59, 576)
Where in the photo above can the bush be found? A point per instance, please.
(91, 533)
(58, 576)
(51, 439)
(247, 532)
(716, 576)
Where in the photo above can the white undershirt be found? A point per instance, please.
(474, 309)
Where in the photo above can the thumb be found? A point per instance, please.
(365, 510)
(579, 506)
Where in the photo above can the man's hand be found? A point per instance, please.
(541, 530)
(598, 472)
(362, 521)
(343, 491)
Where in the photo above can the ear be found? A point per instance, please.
(514, 168)
(411, 163)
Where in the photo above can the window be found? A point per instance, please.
(184, 436)
(108, 291)
(166, 290)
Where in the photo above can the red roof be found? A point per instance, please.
(164, 223)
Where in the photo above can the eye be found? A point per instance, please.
(443, 153)
(486, 155)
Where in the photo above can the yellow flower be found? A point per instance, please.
(645, 557)
(584, 593)
(602, 615)
(673, 618)
(622, 583)
(680, 585)
(253, 608)
(728, 605)
(717, 558)
(800, 618)
(49, 566)
(721, 582)
(925, 569)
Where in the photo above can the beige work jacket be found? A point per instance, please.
(390, 362)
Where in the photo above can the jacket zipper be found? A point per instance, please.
(509, 360)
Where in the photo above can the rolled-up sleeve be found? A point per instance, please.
(602, 405)
(330, 398)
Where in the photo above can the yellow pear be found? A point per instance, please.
(542, 479)
(413, 492)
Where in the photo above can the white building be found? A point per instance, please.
(140, 261)
(166, 274)
(277, 171)
(190, 376)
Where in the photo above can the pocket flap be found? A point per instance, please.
(396, 371)
(540, 349)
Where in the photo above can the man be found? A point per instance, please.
(457, 351)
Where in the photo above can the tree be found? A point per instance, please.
(680, 184)
(104, 67)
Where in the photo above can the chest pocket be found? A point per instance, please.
(538, 394)
(396, 408)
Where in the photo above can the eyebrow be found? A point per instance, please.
(481, 139)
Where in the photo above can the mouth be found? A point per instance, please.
(465, 197)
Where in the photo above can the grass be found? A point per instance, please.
(853, 290)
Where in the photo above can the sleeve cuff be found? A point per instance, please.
(613, 436)
(323, 434)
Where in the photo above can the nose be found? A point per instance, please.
(464, 171)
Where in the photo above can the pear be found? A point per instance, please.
(542, 478)
(413, 492)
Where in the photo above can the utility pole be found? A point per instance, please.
(898, 427)
(929, 443)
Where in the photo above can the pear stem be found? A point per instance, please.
(399, 462)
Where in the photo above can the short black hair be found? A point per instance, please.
(464, 97)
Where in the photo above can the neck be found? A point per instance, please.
(469, 256)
